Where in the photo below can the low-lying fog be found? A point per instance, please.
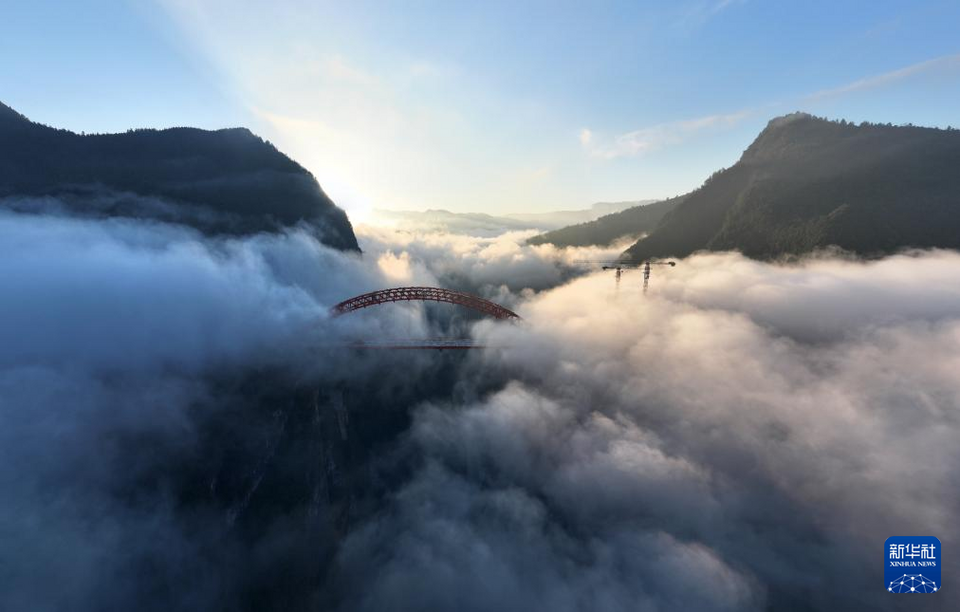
(744, 436)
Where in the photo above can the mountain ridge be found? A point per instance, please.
(607, 229)
(228, 181)
(807, 183)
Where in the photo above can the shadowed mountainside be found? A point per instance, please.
(807, 183)
(607, 229)
(220, 182)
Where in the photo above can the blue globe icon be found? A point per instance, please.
(912, 583)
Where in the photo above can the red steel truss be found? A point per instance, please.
(419, 294)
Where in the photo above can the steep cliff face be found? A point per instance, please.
(219, 182)
(807, 183)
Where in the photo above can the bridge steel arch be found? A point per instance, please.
(423, 294)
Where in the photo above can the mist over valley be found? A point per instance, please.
(490, 308)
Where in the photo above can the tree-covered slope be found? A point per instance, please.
(607, 229)
(220, 182)
(807, 183)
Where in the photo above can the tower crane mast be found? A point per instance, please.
(621, 265)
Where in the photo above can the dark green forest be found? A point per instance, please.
(226, 181)
(807, 183)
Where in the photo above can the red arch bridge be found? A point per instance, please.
(423, 294)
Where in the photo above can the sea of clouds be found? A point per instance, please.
(743, 436)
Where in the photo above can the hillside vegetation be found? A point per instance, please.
(807, 183)
(609, 228)
(220, 182)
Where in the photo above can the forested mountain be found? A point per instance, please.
(607, 229)
(807, 183)
(220, 182)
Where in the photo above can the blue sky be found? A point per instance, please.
(491, 106)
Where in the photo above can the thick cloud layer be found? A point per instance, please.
(745, 436)
(152, 383)
(497, 267)
(181, 427)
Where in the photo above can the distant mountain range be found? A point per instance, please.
(807, 183)
(219, 182)
(631, 222)
(481, 224)
(557, 219)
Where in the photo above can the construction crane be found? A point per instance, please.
(621, 265)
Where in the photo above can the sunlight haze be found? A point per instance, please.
(497, 106)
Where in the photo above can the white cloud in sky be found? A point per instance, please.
(383, 129)
(696, 15)
(725, 4)
(657, 136)
(944, 63)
